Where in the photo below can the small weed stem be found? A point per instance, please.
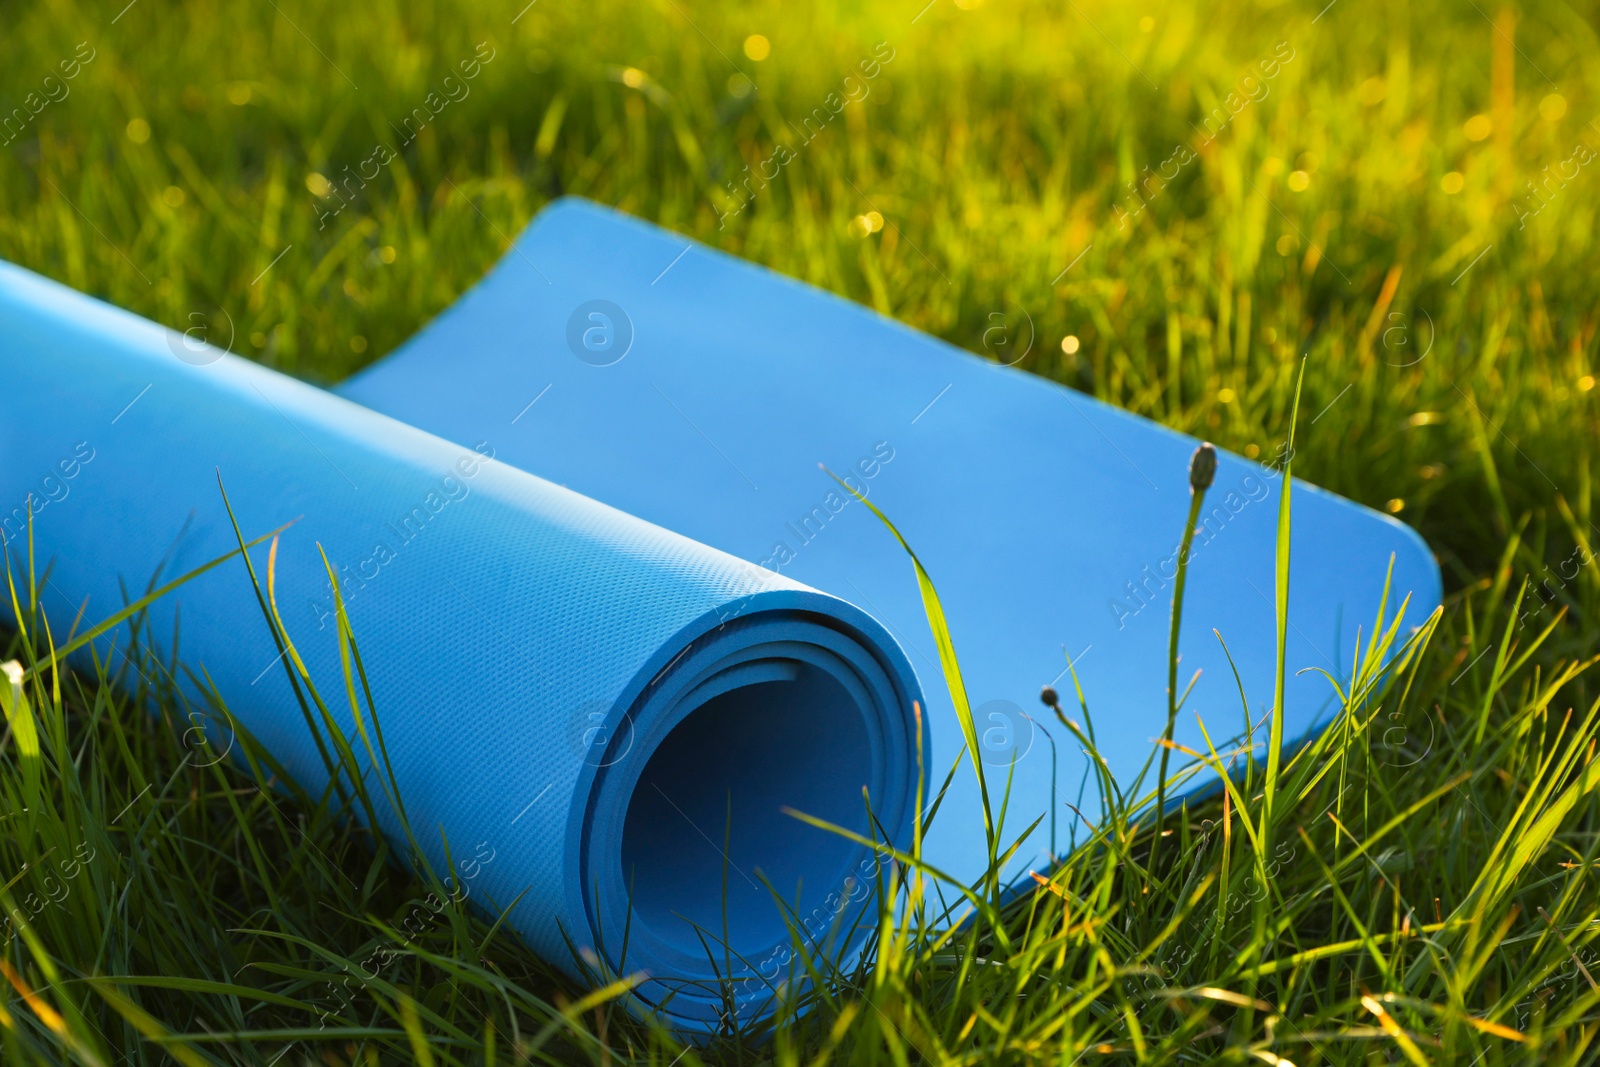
(1202, 469)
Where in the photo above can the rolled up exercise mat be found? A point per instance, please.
(699, 391)
(581, 703)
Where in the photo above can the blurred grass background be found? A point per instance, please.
(1370, 204)
(1408, 204)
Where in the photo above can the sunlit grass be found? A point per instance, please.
(1427, 889)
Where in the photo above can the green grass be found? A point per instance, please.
(1421, 884)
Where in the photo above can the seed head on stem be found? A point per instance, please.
(1202, 467)
(1202, 471)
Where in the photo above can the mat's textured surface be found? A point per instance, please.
(706, 393)
(529, 649)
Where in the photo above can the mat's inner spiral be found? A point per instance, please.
(707, 810)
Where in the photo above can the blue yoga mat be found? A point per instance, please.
(580, 703)
(581, 694)
(700, 392)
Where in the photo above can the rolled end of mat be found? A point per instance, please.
(693, 859)
(585, 715)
